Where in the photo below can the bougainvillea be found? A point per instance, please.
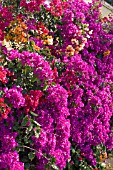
(56, 85)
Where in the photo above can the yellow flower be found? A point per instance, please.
(44, 41)
(48, 40)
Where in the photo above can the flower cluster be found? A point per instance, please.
(5, 17)
(57, 7)
(41, 68)
(9, 159)
(3, 75)
(32, 100)
(41, 29)
(32, 5)
(14, 96)
(54, 139)
(17, 31)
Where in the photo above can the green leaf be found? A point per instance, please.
(21, 149)
(34, 114)
(46, 166)
(31, 155)
(30, 127)
(99, 56)
(45, 87)
(24, 121)
(27, 166)
(35, 122)
(19, 65)
(27, 69)
(27, 131)
(53, 83)
(73, 151)
(26, 139)
(53, 160)
(104, 148)
(15, 127)
(85, 26)
(51, 58)
(34, 78)
(25, 159)
(54, 167)
(32, 43)
(37, 133)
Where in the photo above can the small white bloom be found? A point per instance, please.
(88, 36)
(103, 165)
(86, 29)
(90, 32)
(50, 41)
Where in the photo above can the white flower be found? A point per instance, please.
(90, 32)
(103, 165)
(50, 41)
(88, 36)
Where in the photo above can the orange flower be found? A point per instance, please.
(1, 59)
(17, 32)
(106, 53)
(103, 156)
(48, 40)
(70, 50)
(36, 48)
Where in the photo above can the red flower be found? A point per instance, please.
(1, 35)
(32, 100)
(3, 74)
(57, 7)
(4, 109)
(41, 28)
(80, 158)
